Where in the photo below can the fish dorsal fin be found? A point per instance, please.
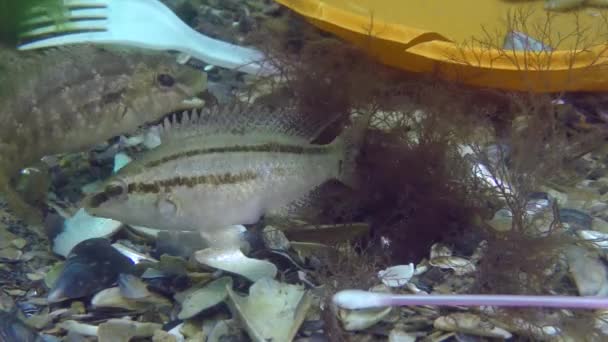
(241, 120)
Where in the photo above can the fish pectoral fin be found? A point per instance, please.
(234, 261)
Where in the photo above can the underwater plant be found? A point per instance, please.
(13, 13)
(417, 189)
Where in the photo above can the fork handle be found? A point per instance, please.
(225, 55)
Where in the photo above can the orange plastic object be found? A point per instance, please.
(462, 40)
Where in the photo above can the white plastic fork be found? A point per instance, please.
(141, 23)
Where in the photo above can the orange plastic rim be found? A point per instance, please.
(461, 40)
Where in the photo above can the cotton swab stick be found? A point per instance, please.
(358, 299)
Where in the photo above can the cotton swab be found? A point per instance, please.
(359, 299)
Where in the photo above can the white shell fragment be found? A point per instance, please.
(355, 320)
(204, 298)
(471, 324)
(273, 311)
(121, 160)
(400, 336)
(176, 332)
(79, 328)
(112, 298)
(598, 239)
(123, 330)
(459, 265)
(145, 231)
(397, 276)
(80, 227)
(152, 138)
(234, 261)
(135, 256)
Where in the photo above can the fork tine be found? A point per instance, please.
(88, 25)
(83, 37)
(74, 14)
(86, 3)
(37, 10)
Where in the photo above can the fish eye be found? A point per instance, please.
(165, 80)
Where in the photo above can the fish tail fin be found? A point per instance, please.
(349, 145)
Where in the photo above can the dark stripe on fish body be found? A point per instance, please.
(222, 179)
(271, 148)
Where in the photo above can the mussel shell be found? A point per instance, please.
(91, 266)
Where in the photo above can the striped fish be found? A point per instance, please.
(217, 168)
(68, 99)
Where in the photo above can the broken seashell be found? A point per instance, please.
(145, 231)
(575, 219)
(135, 256)
(355, 320)
(598, 239)
(273, 311)
(6, 237)
(123, 330)
(19, 243)
(470, 324)
(92, 265)
(315, 253)
(163, 336)
(111, 298)
(439, 250)
(234, 261)
(177, 333)
(79, 328)
(538, 331)
(81, 227)
(121, 160)
(10, 253)
(224, 330)
(459, 265)
(204, 298)
(397, 276)
(275, 238)
(502, 220)
(589, 272)
(397, 335)
(132, 287)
